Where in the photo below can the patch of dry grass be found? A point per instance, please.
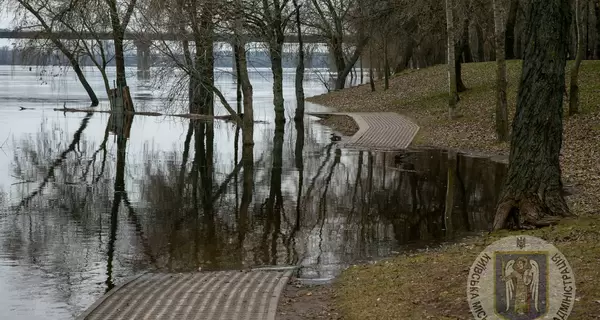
(432, 285)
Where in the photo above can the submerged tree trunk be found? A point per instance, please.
(532, 194)
(451, 61)
(501, 85)
(276, 50)
(580, 23)
(248, 119)
(299, 68)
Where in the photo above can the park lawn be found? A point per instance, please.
(432, 284)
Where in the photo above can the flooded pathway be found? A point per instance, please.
(81, 210)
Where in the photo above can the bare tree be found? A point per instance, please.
(269, 19)
(46, 14)
(335, 20)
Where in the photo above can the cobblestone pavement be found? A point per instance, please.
(225, 295)
(379, 130)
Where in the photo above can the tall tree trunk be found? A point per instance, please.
(580, 23)
(451, 61)
(120, 60)
(299, 68)
(276, 50)
(480, 44)
(466, 46)
(510, 29)
(248, 119)
(532, 194)
(458, 54)
(501, 85)
(386, 66)
(371, 78)
(346, 66)
(597, 10)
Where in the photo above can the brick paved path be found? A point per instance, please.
(226, 295)
(379, 130)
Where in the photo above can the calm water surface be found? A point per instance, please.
(81, 210)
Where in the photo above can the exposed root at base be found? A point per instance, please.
(529, 212)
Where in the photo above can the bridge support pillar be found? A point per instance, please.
(143, 59)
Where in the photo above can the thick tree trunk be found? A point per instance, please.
(248, 120)
(452, 93)
(580, 23)
(532, 194)
(299, 68)
(340, 82)
(510, 29)
(501, 85)
(120, 60)
(597, 10)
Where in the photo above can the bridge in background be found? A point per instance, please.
(143, 41)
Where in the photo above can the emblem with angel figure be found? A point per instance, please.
(521, 278)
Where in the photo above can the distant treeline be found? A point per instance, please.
(223, 59)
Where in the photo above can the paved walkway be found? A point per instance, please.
(379, 130)
(225, 295)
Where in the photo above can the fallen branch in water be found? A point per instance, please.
(152, 114)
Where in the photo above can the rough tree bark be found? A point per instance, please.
(451, 61)
(532, 195)
(501, 83)
(597, 10)
(580, 23)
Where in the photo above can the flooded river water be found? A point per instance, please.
(81, 211)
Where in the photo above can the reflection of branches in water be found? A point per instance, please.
(314, 179)
(138, 228)
(323, 201)
(59, 160)
(92, 162)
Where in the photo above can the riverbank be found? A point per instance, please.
(432, 284)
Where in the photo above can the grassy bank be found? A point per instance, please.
(431, 285)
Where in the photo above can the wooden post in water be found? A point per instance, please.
(452, 158)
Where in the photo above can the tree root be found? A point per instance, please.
(530, 211)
